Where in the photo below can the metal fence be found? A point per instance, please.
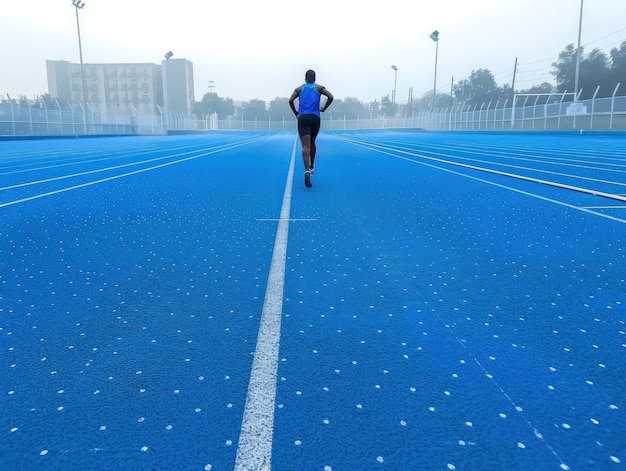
(592, 114)
(41, 121)
(555, 115)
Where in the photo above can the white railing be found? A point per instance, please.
(556, 115)
(593, 114)
(42, 121)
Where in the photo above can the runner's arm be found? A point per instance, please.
(328, 95)
(294, 95)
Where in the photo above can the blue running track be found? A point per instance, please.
(435, 302)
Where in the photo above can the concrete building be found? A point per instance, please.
(113, 88)
(178, 89)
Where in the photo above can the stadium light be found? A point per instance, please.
(580, 27)
(395, 81)
(435, 37)
(78, 5)
(168, 55)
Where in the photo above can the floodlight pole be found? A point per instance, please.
(435, 37)
(580, 27)
(395, 81)
(78, 5)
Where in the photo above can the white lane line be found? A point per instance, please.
(578, 208)
(102, 180)
(254, 451)
(291, 219)
(98, 170)
(58, 155)
(498, 172)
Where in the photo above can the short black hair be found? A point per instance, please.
(310, 76)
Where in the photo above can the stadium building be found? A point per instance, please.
(115, 88)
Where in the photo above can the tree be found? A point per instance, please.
(564, 69)
(618, 66)
(24, 101)
(594, 71)
(388, 108)
(353, 108)
(374, 108)
(254, 110)
(350, 108)
(479, 88)
(279, 109)
(442, 100)
(49, 102)
(409, 108)
(544, 87)
(336, 111)
(211, 103)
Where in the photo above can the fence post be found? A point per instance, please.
(558, 123)
(47, 117)
(545, 112)
(504, 112)
(534, 111)
(593, 102)
(12, 116)
(612, 105)
(480, 115)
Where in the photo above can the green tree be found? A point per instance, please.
(349, 108)
(212, 103)
(373, 109)
(442, 101)
(254, 110)
(337, 110)
(279, 109)
(564, 69)
(353, 108)
(388, 108)
(618, 67)
(544, 87)
(49, 102)
(409, 108)
(480, 88)
(24, 101)
(594, 70)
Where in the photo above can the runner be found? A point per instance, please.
(308, 116)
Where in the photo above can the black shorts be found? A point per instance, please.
(308, 125)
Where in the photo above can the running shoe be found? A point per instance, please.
(307, 179)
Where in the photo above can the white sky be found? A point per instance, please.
(261, 49)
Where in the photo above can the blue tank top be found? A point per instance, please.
(309, 100)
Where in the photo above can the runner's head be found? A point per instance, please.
(309, 76)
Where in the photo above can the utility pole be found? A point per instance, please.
(514, 73)
(580, 27)
(395, 81)
(79, 6)
(452, 91)
(435, 37)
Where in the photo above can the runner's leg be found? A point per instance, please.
(315, 129)
(306, 150)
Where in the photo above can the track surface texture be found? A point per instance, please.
(434, 302)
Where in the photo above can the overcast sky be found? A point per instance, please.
(261, 49)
